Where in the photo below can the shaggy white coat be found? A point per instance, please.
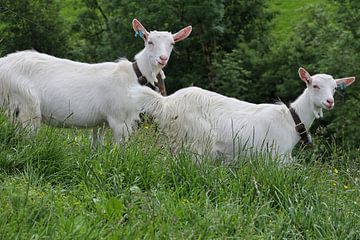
(210, 123)
(37, 87)
(66, 93)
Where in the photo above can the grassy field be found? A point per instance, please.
(54, 186)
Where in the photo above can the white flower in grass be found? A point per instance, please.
(135, 189)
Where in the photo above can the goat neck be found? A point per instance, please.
(306, 110)
(148, 70)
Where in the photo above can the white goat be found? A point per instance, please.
(210, 123)
(37, 87)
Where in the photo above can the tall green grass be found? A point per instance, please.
(54, 186)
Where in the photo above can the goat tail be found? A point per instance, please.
(148, 100)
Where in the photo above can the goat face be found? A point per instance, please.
(159, 44)
(322, 87)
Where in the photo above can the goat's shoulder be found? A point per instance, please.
(269, 108)
(124, 66)
(124, 71)
(193, 93)
(272, 113)
(190, 91)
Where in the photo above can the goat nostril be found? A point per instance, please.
(163, 57)
(330, 101)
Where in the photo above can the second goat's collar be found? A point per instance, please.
(300, 127)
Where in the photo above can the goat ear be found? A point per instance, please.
(182, 34)
(137, 26)
(345, 81)
(304, 75)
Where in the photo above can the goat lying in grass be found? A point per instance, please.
(37, 87)
(210, 123)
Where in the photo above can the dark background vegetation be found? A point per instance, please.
(237, 48)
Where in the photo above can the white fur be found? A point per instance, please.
(210, 123)
(37, 87)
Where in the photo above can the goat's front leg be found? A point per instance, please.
(286, 159)
(121, 131)
(98, 136)
(28, 115)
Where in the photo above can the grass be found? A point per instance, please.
(54, 186)
(289, 13)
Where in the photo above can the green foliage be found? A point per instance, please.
(65, 190)
(289, 14)
(321, 44)
(32, 25)
(232, 77)
(246, 41)
(218, 27)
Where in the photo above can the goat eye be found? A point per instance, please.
(316, 87)
(150, 42)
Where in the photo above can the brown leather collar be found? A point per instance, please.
(142, 79)
(300, 127)
(159, 86)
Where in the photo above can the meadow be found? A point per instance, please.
(55, 186)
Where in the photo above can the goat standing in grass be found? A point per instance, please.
(210, 123)
(37, 87)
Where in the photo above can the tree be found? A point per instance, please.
(218, 27)
(32, 25)
(245, 49)
(324, 42)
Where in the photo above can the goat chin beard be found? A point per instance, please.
(318, 112)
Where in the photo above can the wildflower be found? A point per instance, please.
(135, 189)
